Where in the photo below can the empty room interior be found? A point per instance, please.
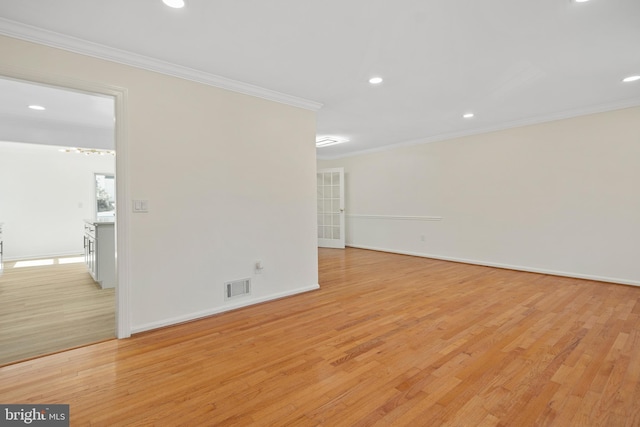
(341, 214)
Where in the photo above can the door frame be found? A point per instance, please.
(123, 220)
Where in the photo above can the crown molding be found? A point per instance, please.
(72, 44)
(562, 115)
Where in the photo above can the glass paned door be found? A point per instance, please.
(331, 208)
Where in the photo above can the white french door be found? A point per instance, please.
(331, 208)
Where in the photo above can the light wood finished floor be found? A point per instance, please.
(388, 340)
(48, 308)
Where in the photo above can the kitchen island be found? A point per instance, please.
(100, 251)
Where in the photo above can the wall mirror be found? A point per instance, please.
(105, 196)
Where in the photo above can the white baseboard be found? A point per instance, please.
(43, 256)
(218, 310)
(506, 266)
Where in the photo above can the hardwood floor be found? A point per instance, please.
(388, 340)
(47, 308)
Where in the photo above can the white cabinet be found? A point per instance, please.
(100, 252)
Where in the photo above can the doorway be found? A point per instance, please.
(79, 121)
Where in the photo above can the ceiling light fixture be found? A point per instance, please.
(468, 115)
(375, 80)
(37, 107)
(176, 4)
(87, 151)
(631, 79)
(326, 141)
(580, 1)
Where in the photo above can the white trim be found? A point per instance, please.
(505, 266)
(396, 217)
(72, 44)
(206, 313)
(123, 218)
(630, 103)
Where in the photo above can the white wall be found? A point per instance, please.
(44, 197)
(230, 179)
(558, 197)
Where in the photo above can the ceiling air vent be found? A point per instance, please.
(237, 288)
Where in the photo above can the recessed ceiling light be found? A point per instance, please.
(325, 141)
(375, 80)
(580, 1)
(631, 79)
(37, 107)
(176, 4)
(468, 115)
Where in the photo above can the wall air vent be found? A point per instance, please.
(237, 288)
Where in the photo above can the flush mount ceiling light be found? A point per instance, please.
(580, 1)
(176, 4)
(375, 80)
(37, 107)
(326, 141)
(468, 115)
(631, 79)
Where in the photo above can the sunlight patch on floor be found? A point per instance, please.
(72, 260)
(48, 261)
(33, 263)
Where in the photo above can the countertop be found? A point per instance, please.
(100, 221)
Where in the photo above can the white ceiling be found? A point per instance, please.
(70, 119)
(510, 62)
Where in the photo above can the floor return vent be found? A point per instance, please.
(237, 288)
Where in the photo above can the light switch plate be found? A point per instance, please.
(140, 206)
